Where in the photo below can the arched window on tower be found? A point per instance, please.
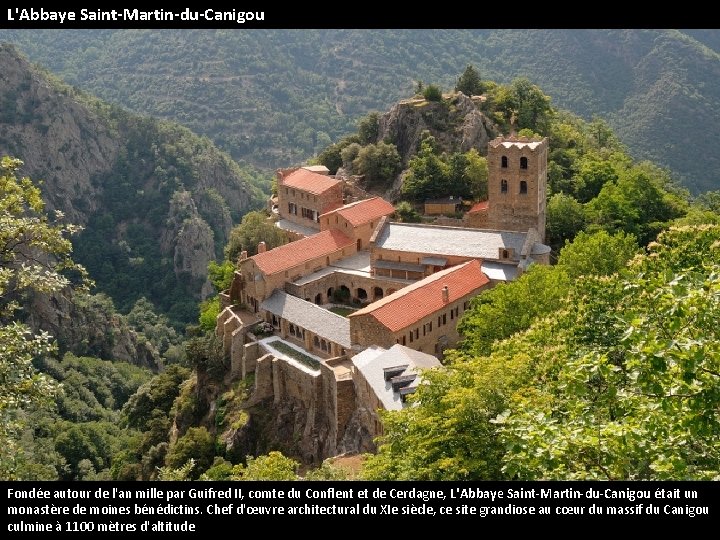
(504, 162)
(523, 163)
(523, 187)
(503, 186)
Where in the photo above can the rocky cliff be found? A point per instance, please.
(119, 175)
(457, 125)
(88, 325)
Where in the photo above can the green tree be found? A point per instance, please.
(432, 93)
(636, 203)
(273, 466)
(379, 163)
(469, 82)
(406, 213)
(533, 107)
(565, 218)
(476, 173)
(205, 354)
(197, 444)
(526, 104)
(145, 320)
(209, 310)
(602, 133)
(221, 275)
(368, 128)
(158, 393)
(458, 183)
(512, 307)
(349, 153)
(710, 201)
(84, 441)
(637, 399)
(221, 470)
(428, 173)
(253, 229)
(592, 176)
(598, 254)
(35, 255)
(331, 156)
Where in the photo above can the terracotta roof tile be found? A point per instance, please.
(415, 302)
(479, 207)
(309, 181)
(295, 253)
(365, 211)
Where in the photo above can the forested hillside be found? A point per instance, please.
(614, 376)
(273, 97)
(157, 201)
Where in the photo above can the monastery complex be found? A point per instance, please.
(358, 302)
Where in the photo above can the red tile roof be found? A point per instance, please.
(309, 181)
(295, 253)
(365, 211)
(419, 300)
(479, 207)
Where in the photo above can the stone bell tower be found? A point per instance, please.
(517, 181)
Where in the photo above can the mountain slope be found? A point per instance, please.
(157, 201)
(274, 97)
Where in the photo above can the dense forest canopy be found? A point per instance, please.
(275, 97)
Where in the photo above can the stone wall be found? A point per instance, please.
(309, 409)
(479, 219)
(332, 197)
(360, 233)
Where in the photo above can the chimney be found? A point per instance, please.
(262, 247)
(445, 294)
(243, 255)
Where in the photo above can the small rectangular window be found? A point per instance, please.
(523, 187)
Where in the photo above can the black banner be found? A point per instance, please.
(201, 507)
(303, 15)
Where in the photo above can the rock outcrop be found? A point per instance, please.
(88, 325)
(457, 125)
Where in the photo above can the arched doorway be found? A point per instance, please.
(344, 293)
(362, 294)
(318, 299)
(330, 292)
(377, 293)
(359, 244)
